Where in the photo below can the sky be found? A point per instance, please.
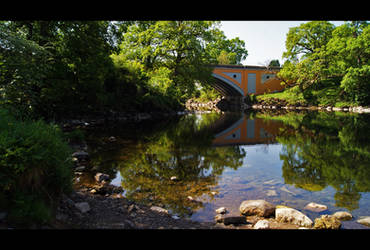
(264, 40)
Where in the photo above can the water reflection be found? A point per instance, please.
(312, 151)
(324, 149)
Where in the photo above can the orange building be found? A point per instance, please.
(235, 80)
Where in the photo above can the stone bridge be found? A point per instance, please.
(239, 81)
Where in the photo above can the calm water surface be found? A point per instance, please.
(223, 159)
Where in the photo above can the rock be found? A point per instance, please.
(315, 207)
(342, 215)
(327, 222)
(364, 221)
(80, 168)
(83, 207)
(262, 224)
(159, 209)
(174, 178)
(81, 155)
(221, 210)
(99, 177)
(234, 220)
(112, 139)
(288, 191)
(271, 193)
(257, 207)
(219, 218)
(293, 216)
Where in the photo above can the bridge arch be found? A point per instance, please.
(225, 86)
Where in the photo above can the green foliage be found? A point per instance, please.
(53, 69)
(317, 53)
(176, 54)
(35, 166)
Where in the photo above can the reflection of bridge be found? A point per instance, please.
(248, 131)
(235, 80)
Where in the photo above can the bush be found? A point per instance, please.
(35, 168)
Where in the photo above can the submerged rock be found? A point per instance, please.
(291, 215)
(257, 207)
(342, 215)
(315, 207)
(234, 220)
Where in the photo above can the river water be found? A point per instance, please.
(193, 164)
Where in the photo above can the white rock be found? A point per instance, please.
(159, 209)
(174, 178)
(342, 215)
(364, 221)
(221, 210)
(262, 224)
(315, 207)
(83, 207)
(293, 216)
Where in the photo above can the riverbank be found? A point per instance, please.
(275, 103)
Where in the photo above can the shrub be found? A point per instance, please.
(35, 168)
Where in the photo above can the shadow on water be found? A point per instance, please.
(318, 155)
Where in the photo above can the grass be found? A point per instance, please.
(328, 95)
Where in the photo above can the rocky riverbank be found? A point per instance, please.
(276, 104)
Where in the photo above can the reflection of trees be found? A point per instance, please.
(328, 149)
(184, 151)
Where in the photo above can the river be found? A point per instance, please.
(195, 163)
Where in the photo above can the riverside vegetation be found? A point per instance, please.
(54, 70)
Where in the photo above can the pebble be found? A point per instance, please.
(159, 209)
(83, 207)
(221, 210)
(262, 224)
(271, 193)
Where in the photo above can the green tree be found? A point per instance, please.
(179, 51)
(305, 47)
(349, 51)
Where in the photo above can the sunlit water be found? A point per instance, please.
(220, 160)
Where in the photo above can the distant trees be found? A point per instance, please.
(319, 52)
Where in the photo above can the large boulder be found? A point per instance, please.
(293, 216)
(257, 207)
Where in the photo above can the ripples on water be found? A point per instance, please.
(223, 159)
